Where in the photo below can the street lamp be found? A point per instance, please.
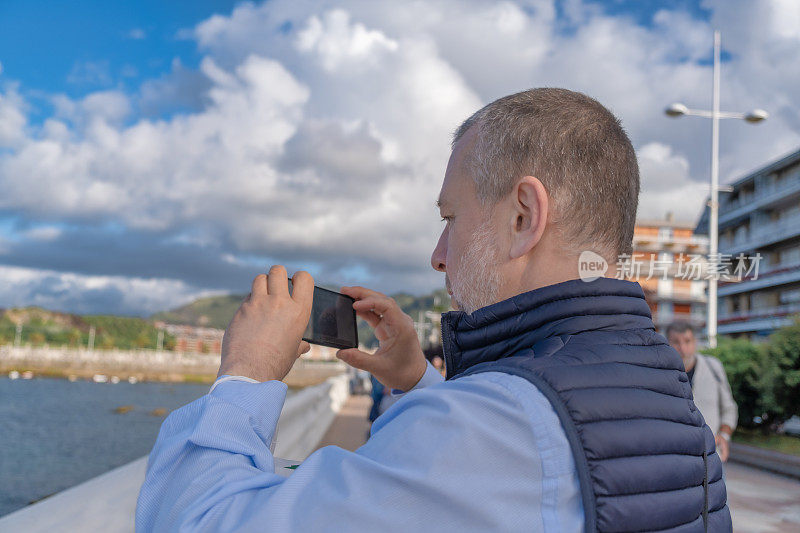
(753, 117)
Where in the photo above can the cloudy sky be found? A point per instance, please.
(151, 152)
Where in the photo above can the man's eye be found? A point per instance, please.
(447, 219)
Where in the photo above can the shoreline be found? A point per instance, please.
(143, 365)
(88, 374)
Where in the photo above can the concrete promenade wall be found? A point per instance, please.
(144, 365)
(108, 502)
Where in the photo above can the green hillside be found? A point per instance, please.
(437, 301)
(40, 326)
(212, 312)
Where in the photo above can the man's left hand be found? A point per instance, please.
(264, 338)
(723, 447)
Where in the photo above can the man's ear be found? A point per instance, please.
(529, 215)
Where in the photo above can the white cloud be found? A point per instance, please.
(12, 118)
(92, 294)
(667, 184)
(336, 41)
(43, 233)
(137, 34)
(318, 133)
(90, 73)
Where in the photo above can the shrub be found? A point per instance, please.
(783, 349)
(744, 364)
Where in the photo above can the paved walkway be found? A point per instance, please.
(350, 428)
(760, 502)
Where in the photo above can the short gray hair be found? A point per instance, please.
(578, 150)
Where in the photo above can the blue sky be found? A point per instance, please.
(152, 152)
(78, 47)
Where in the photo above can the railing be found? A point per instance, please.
(763, 312)
(772, 270)
(693, 240)
(108, 502)
(664, 318)
(685, 294)
(767, 232)
(763, 195)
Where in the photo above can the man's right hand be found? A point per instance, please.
(399, 362)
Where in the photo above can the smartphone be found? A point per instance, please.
(333, 320)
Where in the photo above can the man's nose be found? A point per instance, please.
(440, 253)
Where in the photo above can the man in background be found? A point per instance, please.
(710, 387)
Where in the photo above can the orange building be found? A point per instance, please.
(194, 339)
(669, 263)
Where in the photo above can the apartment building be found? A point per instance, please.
(759, 217)
(670, 264)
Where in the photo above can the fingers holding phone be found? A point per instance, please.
(263, 339)
(399, 362)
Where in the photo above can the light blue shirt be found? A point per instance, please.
(482, 453)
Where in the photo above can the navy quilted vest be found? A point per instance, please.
(646, 460)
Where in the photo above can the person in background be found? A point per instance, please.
(710, 387)
(438, 364)
(377, 397)
(435, 356)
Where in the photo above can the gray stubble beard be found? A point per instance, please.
(477, 279)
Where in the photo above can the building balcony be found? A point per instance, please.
(763, 235)
(666, 244)
(778, 311)
(663, 318)
(680, 295)
(762, 326)
(762, 197)
(778, 275)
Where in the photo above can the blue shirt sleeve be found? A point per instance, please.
(430, 377)
(461, 455)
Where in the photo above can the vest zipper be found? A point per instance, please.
(449, 365)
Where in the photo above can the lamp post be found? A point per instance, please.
(754, 116)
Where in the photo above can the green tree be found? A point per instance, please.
(107, 342)
(143, 341)
(783, 350)
(170, 343)
(37, 338)
(747, 367)
(74, 337)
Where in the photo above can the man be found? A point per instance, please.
(710, 387)
(563, 409)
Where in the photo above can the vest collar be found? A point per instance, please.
(515, 325)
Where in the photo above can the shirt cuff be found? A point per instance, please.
(261, 400)
(223, 378)
(430, 377)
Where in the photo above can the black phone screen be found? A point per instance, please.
(333, 320)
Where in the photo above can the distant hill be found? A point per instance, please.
(437, 301)
(217, 311)
(41, 326)
(212, 312)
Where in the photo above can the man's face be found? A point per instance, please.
(467, 251)
(684, 343)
